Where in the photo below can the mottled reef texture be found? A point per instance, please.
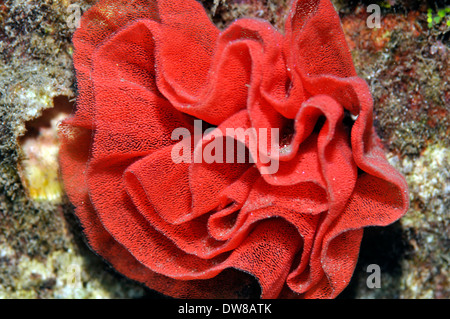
(405, 62)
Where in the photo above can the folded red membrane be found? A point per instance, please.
(196, 228)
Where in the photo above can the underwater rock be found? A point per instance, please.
(405, 64)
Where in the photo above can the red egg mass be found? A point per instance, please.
(188, 229)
